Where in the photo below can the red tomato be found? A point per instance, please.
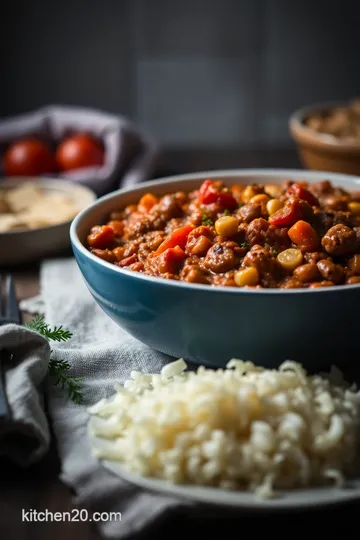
(28, 157)
(79, 151)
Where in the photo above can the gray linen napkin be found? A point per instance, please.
(130, 153)
(24, 436)
(102, 353)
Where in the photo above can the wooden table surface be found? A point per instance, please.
(38, 488)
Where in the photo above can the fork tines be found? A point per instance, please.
(9, 308)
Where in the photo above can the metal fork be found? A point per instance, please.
(9, 313)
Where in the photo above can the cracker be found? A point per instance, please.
(22, 197)
(10, 222)
(4, 207)
(50, 210)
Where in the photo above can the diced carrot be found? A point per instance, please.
(176, 238)
(117, 226)
(101, 237)
(304, 236)
(170, 260)
(146, 202)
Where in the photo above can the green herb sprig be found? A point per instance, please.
(58, 369)
(205, 220)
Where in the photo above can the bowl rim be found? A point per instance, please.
(305, 135)
(202, 175)
(50, 182)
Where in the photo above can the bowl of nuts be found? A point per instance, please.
(328, 136)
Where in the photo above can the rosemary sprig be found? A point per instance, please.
(58, 369)
(58, 333)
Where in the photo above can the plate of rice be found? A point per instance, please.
(243, 436)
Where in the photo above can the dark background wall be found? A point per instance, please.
(193, 72)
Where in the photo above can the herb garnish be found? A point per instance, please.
(244, 244)
(205, 220)
(227, 212)
(58, 369)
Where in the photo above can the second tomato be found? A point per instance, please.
(79, 151)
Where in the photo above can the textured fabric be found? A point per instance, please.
(24, 435)
(102, 354)
(130, 154)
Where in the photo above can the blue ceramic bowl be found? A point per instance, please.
(209, 325)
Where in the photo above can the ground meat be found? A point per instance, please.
(193, 273)
(199, 240)
(291, 283)
(354, 264)
(105, 254)
(336, 203)
(330, 271)
(260, 232)
(357, 232)
(222, 257)
(266, 264)
(323, 221)
(249, 211)
(315, 256)
(256, 232)
(166, 209)
(339, 240)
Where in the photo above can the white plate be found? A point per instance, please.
(287, 500)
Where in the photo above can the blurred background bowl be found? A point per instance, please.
(24, 246)
(320, 151)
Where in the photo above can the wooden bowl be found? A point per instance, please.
(322, 152)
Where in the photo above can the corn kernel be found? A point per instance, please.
(226, 226)
(248, 194)
(247, 276)
(273, 206)
(354, 208)
(290, 259)
(261, 197)
(273, 190)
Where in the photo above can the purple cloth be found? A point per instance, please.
(130, 154)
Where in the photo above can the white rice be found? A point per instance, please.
(243, 427)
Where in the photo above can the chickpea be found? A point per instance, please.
(273, 206)
(248, 193)
(354, 208)
(321, 284)
(353, 280)
(247, 276)
(260, 198)
(226, 226)
(273, 190)
(306, 272)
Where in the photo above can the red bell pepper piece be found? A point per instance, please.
(290, 213)
(168, 261)
(176, 238)
(301, 193)
(226, 200)
(209, 194)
